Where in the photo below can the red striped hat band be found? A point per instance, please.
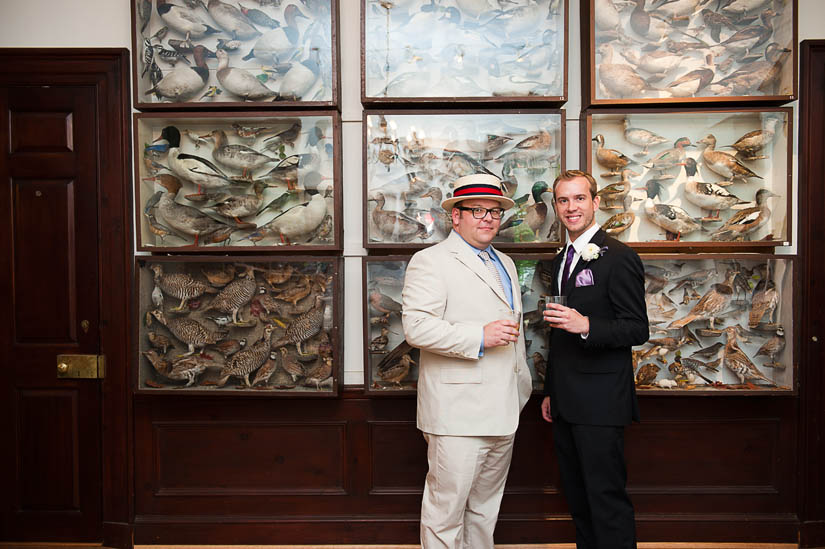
(491, 190)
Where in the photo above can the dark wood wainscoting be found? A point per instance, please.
(351, 470)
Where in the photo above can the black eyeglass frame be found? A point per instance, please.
(478, 209)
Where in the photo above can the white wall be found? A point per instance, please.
(105, 23)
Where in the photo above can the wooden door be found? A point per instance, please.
(50, 469)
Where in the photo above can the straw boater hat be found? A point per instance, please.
(479, 185)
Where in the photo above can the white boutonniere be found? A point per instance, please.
(592, 252)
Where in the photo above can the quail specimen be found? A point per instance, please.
(321, 373)
(235, 295)
(159, 341)
(773, 347)
(265, 372)
(179, 285)
(290, 364)
(188, 368)
(646, 374)
(191, 332)
(244, 362)
(305, 326)
(229, 346)
(160, 364)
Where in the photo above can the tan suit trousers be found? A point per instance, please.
(463, 490)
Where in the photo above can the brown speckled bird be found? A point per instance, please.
(160, 364)
(159, 341)
(265, 372)
(191, 332)
(646, 374)
(383, 303)
(188, 368)
(738, 362)
(764, 301)
(229, 346)
(395, 372)
(291, 365)
(713, 302)
(219, 276)
(306, 325)
(320, 374)
(179, 285)
(379, 343)
(244, 362)
(773, 347)
(296, 291)
(235, 295)
(278, 274)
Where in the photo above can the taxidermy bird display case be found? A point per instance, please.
(213, 54)
(718, 323)
(244, 181)
(463, 51)
(689, 51)
(391, 365)
(708, 178)
(412, 158)
(259, 325)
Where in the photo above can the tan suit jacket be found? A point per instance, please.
(448, 297)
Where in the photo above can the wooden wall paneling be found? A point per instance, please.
(811, 446)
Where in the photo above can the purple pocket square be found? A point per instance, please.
(584, 278)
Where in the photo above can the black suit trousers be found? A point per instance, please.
(594, 475)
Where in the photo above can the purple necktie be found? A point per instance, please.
(568, 260)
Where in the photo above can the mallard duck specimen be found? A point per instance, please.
(400, 227)
(298, 221)
(691, 83)
(441, 217)
(190, 332)
(715, 301)
(708, 196)
(759, 75)
(236, 156)
(279, 45)
(183, 20)
(235, 295)
(673, 219)
(182, 83)
(613, 196)
(738, 362)
(179, 285)
(619, 80)
(764, 300)
(773, 347)
(185, 219)
(613, 160)
(240, 81)
(641, 138)
(236, 206)
(746, 221)
(726, 165)
(244, 362)
(669, 158)
(751, 144)
(232, 20)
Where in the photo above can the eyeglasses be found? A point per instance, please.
(481, 213)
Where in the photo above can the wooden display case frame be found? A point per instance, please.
(155, 121)
(140, 342)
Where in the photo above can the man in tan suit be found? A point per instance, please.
(462, 308)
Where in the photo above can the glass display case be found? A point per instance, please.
(262, 181)
(689, 51)
(421, 50)
(719, 179)
(718, 323)
(245, 324)
(411, 159)
(213, 55)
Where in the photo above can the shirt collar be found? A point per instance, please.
(584, 238)
(477, 251)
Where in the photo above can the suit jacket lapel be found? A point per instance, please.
(465, 255)
(581, 264)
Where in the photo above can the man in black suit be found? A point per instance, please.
(589, 387)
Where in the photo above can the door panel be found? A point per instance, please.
(49, 279)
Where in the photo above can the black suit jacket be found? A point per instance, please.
(590, 381)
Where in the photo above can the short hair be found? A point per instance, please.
(569, 175)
